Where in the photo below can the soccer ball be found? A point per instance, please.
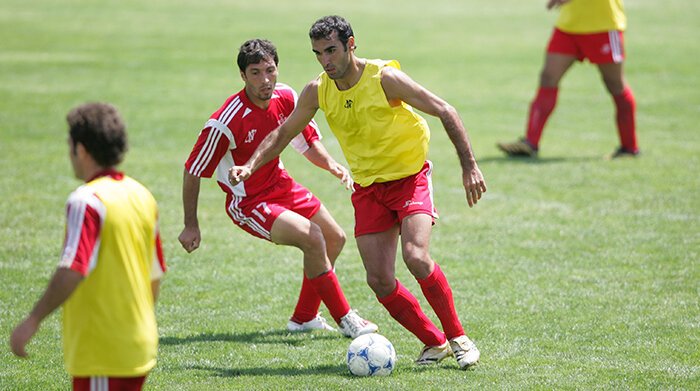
(371, 355)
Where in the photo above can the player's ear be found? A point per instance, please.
(351, 43)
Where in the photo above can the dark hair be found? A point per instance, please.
(324, 27)
(254, 50)
(99, 127)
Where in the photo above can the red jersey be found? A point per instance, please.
(232, 135)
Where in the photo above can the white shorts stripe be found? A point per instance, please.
(239, 217)
(615, 46)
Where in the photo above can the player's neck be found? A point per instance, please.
(263, 104)
(353, 74)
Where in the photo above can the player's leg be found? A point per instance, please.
(612, 75)
(306, 315)
(415, 242)
(332, 232)
(378, 252)
(295, 230)
(561, 54)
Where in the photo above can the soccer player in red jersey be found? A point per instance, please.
(109, 275)
(270, 204)
(585, 29)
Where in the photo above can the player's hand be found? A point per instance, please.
(342, 173)
(474, 184)
(190, 238)
(555, 3)
(238, 174)
(21, 336)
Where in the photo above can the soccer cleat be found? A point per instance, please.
(521, 147)
(622, 153)
(465, 351)
(352, 325)
(434, 354)
(317, 323)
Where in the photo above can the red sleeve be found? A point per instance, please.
(311, 132)
(211, 146)
(83, 227)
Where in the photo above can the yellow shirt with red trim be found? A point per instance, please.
(109, 324)
(592, 16)
(381, 142)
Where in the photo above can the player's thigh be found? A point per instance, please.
(415, 243)
(330, 228)
(555, 66)
(378, 252)
(612, 76)
(292, 229)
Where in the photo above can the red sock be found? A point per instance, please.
(439, 294)
(308, 304)
(626, 106)
(540, 109)
(404, 307)
(328, 288)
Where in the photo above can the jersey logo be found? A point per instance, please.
(251, 136)
(348, 104)
(281, 119)
(411, 202)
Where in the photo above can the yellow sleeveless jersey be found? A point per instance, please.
(592, 16)
(381, 143)
(109, 324)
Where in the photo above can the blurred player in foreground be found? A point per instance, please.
(109, 274)
(270, 204)
(368, 105)
(586, 29)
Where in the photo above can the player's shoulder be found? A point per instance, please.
(84, 195)
(284, 91)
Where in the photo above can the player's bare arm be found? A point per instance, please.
(63, 283)
(319, 156)
(277, 140)
(190, 237)
(398, 86)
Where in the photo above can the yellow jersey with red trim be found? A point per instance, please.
(381, 142)
(109, 323)
(592, 16)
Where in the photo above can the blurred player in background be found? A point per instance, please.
(270, 204)
(368, 105)
(109, 274)
(585, 29)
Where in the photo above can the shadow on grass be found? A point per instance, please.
(333, 370)
(270, 337)
(538, 160)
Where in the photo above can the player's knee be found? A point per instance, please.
(549, 78)
(381, 285)
(418, 263)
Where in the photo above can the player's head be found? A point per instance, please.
(257, 61)
(96, 129)
(333, 42)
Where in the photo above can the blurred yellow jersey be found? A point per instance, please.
(381, 142)
(591, 16)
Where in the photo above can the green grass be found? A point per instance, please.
(572, 273)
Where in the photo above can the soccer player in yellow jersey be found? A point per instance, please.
(108, 278)
(585, 29)
(369, 107)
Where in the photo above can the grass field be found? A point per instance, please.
(572, 273)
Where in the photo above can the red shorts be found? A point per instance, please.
(98, 383)
(380, 206)
(256, 214)
(598, 48)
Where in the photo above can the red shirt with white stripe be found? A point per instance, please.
(232, 135)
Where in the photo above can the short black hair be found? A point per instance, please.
(324, 27)
(100, 129)
(254, 50)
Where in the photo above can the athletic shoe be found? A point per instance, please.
(622, 153)
(434, 354)
(352, 325)
(317, 323)
(521, 147)
(465, 351)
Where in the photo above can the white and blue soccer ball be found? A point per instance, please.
(371, 355)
